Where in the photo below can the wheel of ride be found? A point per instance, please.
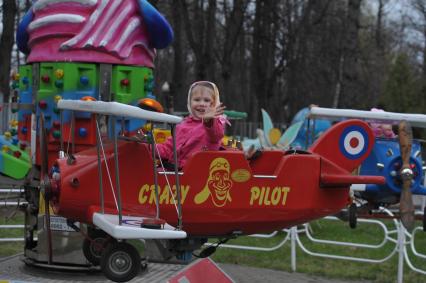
(352, 216)
(120, 262)
(94, 247)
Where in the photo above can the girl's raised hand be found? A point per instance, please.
(213, 112)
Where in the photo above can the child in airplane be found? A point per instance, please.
(382, 130)
(203, 129)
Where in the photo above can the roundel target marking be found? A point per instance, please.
(353, 142)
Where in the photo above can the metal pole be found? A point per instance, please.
(117, 172)
(308, 128)
(61, 138)
(157, 197)
(34, 119)
(98, 151)
(72, 132)
(293, 234)
(401, 251)
(179, 226)
(313, 132)
(423, 197)
(123, 126)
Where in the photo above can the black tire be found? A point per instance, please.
(93, 248)
(352, 216)
(120, 262)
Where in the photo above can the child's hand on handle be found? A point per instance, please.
(213, 112)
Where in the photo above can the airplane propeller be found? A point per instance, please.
(45, 183)
(406, 206)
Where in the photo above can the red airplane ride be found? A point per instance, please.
(217, 194)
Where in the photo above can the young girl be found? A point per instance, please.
(203, 129)
(382, 130)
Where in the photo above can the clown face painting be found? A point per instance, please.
(218, 184)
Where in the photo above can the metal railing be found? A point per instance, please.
(402, 243)
(16, 239)
(12, 197)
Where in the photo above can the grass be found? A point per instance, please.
(7, 217)
(280, 259)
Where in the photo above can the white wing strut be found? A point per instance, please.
(117, 109)
(416, 120)
(131, 230)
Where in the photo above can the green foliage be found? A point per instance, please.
(402, 91)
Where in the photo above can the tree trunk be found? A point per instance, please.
(350, 91)
(263, 53)
(232, 29)
(210, 41)
(200, 31)
(177, 88)
(6, 46)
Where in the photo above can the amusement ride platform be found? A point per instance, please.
(14, 269)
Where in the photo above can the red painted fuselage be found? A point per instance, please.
(221, 191)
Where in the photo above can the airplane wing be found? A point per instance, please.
(131, 228)
(416, 120)
(117, 109)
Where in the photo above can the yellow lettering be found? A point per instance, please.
(173, 198)
(142, 197)
(267, 202)
(262, 195)
(152, 196)
(255, 192)
(185, 190)
(267, 196)
(164, 198)
(276, 195)
(285, 191)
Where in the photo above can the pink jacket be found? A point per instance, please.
(193, 136)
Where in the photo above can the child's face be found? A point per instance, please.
(383, 131)
(201, 101)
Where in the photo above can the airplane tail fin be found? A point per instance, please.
(346, 144)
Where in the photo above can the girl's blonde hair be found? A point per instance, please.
(207, 84)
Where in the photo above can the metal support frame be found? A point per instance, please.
(178, 191)
(102, 108)
(34, 120)
(117, 172)
(61, 137)
(154, 164)
(98, 152)
(293, 233)
(72, 133)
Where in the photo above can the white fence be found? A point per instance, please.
(403, 243)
